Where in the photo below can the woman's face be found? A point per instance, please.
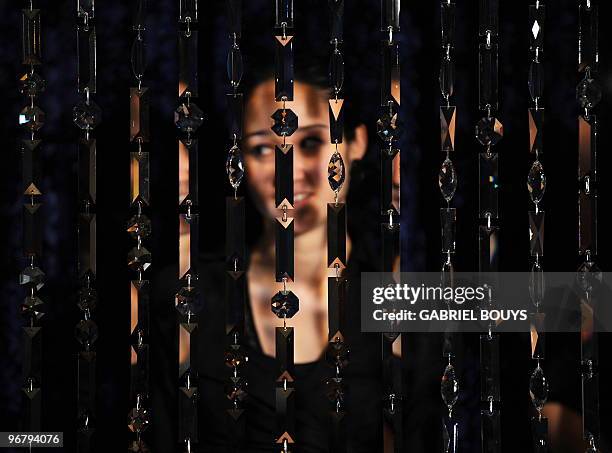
(311, 147)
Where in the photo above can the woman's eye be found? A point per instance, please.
(311, 143)
(261, 151)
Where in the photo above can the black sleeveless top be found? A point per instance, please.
(362, 376)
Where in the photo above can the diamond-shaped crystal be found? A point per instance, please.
(234, 167)
(33, 307)
(449, 387)
(335, 171)
(188, 301)
(188, 117)
(285, 122)
(447, 179)
(448, 122)
(31, 84)
(489, 131)
(538, 388)
(535, 30)
(536, 182)
(86, 115)
(389, 127)
(285, 304)
(139, 259)
(88, 298)
(588, 93)
(32, 118)
(32, 275)
(86, 332)
(139, 225)
(138, 419)
(338, 352)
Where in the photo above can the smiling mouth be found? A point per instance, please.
(300, 197)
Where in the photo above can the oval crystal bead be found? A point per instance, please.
(447, 179)
(234, 167)
(336, 70)
(138, 57)
(538, 388)
(234, 66)
(335, 171)
(449, 387)
(536, 182)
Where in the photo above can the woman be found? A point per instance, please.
(312, 150)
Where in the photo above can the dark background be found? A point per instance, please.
(420, 194)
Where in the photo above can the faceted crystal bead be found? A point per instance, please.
(447, 179)
(138, 446)
(138, 419)
(188, 301)
(86, 332)
(285, 122)
(337, 353)
(588, 93)
(389, 128)
(235, 356)
(536, 79)
(32, 307)
(336, 71)
(139, 225)
(234, 167)
(335, 171)
(489, 131)
(234, 66)
(536, 232)
(537, 285)
(139, 259)
(447, 77)
(448, 219)
(538, 388)
(536, 182)
(334, 390)
(139, 58)
(235, 390)
(31, 84)
(86, 115)
(32, 118)
(88, 298)
(285, 304)
(188, 117)
(449, 387)
(589, 276)
(32, 276)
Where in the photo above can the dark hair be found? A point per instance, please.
(312, 55)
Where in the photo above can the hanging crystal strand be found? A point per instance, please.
(86, 116)
(389, 130)
(337, 350)
(447, 182)
(188, 118)
(588, 95)
(32, 278)
(536, 185)
(489, 131)
(235, 354)
(285, 303)
(139, 228)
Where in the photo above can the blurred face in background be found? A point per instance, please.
(311, 147)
